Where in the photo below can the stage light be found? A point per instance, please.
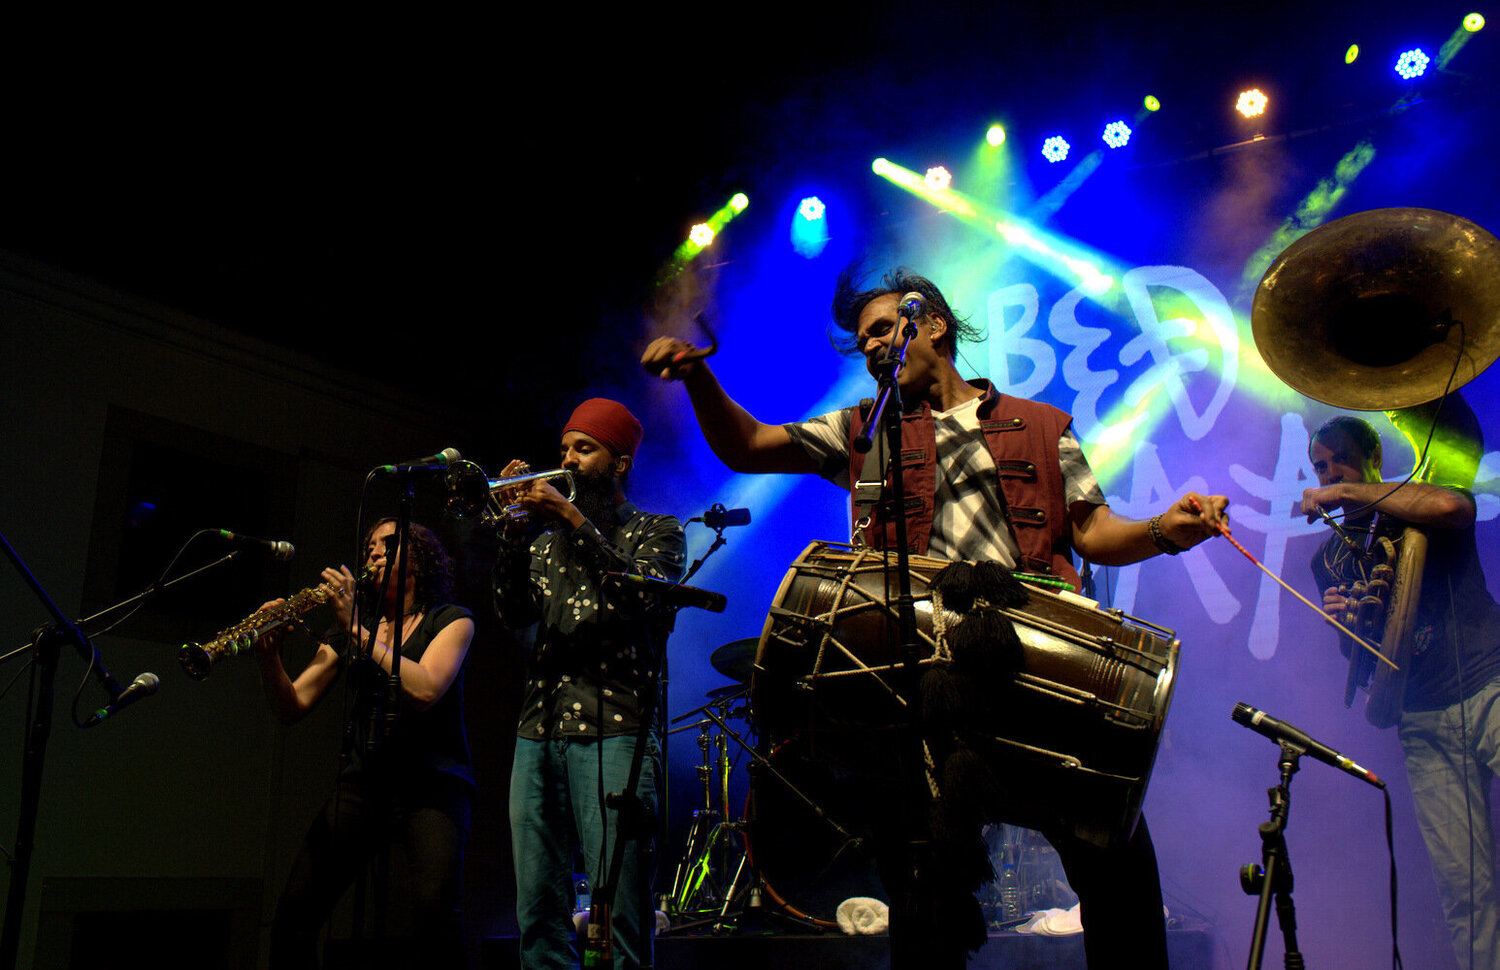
(880, 166)
(701, 235)
(1055, 149)
(809, 228)
(1352, 54)
(938, 178)
(739, 202)
(1151, 103)
(1251, 103)
(1473, 22)
(1116, 134)
(1411, 64)
(995, 136)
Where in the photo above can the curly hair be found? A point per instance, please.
(433, 567)
(850, 300)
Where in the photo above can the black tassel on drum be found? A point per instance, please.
(970, 785)
(956, 582)
(962, 695)
(995, 584)
(985, 646)
(961, 583)
(942, 698)
(963, 691)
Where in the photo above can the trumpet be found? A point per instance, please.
(472, 492)
(198, 659)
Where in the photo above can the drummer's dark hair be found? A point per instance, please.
(850, 300)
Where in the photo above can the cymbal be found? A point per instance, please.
(736, 658)
(728, 690)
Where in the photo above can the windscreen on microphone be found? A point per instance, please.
(428, 464)
(719, 517)
(147, 683)
(280, 549)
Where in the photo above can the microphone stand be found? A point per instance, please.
(906, 615)
(1274, 874)
(890, 393)
(385, 702)
(715, 546)
(632, 820)
(718, 542)
(48, 647)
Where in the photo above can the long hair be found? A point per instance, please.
(429, 563)
(849, 301)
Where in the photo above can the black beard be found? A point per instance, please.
(596, 500)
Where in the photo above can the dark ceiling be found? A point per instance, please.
(499, 190)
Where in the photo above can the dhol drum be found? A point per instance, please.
(1078, 724)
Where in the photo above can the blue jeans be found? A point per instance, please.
(1450, 785)
(554, 791)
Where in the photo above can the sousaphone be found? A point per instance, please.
(1388, 310)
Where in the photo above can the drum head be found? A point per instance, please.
(804, 863)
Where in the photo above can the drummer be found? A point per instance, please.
(967, 430)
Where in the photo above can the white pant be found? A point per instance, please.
(1452, 755)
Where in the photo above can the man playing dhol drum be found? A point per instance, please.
(1001, 479)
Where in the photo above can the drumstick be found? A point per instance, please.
(1224, 531)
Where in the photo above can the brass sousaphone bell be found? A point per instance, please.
(1363, 312)
(1388, 310)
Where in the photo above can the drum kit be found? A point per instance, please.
(823, 691)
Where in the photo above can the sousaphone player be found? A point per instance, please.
(1388, 309)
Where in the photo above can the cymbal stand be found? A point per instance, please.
(698, 883)
(745, 888)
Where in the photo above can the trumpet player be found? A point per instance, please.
(415, 783)
(590, 676)
(1450, 720)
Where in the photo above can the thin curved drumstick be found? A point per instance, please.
(1224, 531)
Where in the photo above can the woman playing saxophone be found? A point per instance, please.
(412, 781)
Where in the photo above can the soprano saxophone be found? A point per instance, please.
(198, 659)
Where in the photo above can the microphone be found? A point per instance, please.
(670, 594)
(911, 306)
(143, 686)
(719, 518)
(1280, 731)
(280, 549)
(431, 464)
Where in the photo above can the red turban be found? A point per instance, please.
(608, 422)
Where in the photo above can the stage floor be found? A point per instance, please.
(1187, 949)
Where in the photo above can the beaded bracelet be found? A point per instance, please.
(1153, 528)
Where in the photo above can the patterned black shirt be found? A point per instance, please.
(590, 644)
